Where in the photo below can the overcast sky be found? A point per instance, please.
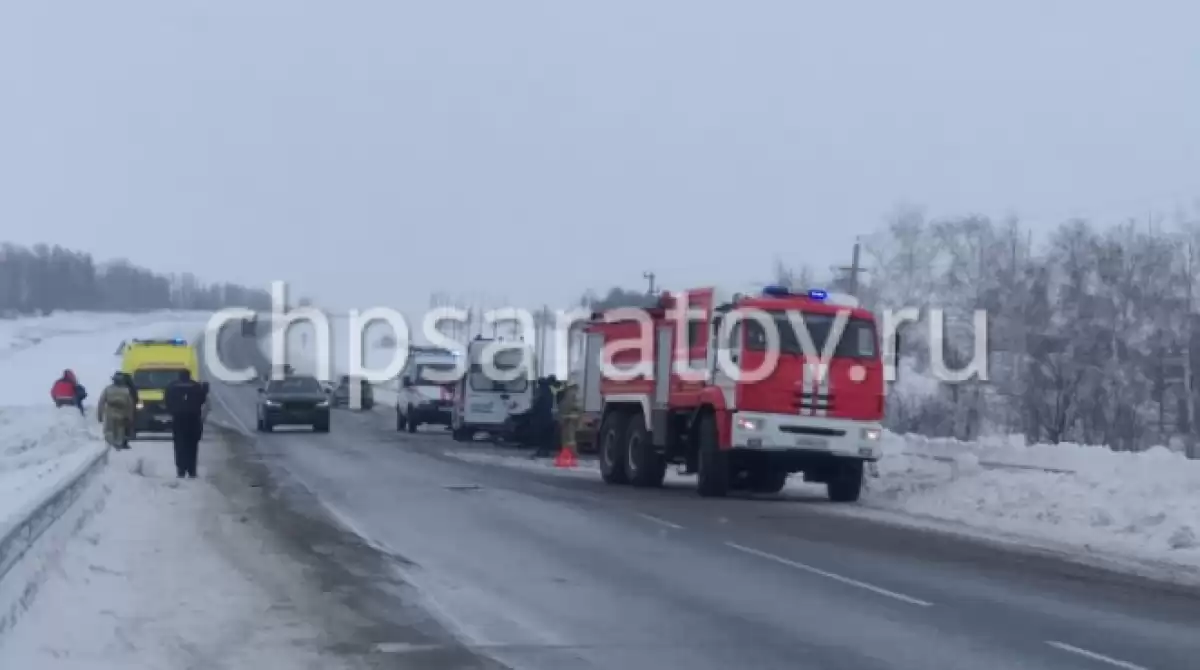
(375, 151)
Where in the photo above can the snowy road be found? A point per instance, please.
(542, 571)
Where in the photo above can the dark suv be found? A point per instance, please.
(293, 401)
(341, 394)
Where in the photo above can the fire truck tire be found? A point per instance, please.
(768, 481)
(845, 483)
(713, 472)
(646, 467)
(612, 453)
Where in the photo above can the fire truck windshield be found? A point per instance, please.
(857, 340)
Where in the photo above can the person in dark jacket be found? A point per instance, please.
(542, 417)
(185, 398)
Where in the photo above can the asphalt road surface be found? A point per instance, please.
(479, 565)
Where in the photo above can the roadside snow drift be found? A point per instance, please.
(1093, 501)
(40, 448)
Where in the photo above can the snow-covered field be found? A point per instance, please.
(35, 351)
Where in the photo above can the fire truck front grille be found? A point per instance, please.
(812, 430)
(814, 401)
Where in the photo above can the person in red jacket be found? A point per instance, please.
(68, 392)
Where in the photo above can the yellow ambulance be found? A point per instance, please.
(152, 364)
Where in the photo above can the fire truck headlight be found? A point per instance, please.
(748, 424)
(871, 434)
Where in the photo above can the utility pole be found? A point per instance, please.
(1189, 442)
(854, 268)
(649, 276)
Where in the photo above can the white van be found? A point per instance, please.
(425, 395)
(484, 404)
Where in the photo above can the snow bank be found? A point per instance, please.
(40, 448)
(1143, 506)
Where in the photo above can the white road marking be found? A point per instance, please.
(661, 522)
(830, 575)
(1063, 646)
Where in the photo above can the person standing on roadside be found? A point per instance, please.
(127, 380)
(568, 415)
(114, 410)
(185, 399)
(542, 417)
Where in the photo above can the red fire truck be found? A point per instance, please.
(700, 382)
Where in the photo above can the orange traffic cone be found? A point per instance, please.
(565, 458)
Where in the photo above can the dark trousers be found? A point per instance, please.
(545, 434)
(185, 431)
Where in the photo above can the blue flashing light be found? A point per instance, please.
(179, 341)
(818, 294)
(776, 291)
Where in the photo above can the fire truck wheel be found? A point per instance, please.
(713, 473)
(612, 455)
(845, 483)
(768, 481)
(645, 465)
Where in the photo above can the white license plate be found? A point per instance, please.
(812, 442)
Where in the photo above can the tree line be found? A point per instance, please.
(1091, 334)
(44, 278)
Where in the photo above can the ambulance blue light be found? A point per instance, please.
(818, 294)
(179, 341)
(776, 291)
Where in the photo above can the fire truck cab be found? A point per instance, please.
(721, 386)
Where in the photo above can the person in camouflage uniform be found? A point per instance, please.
(568, 415)
(116, 409)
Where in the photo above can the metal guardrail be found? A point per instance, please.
(23, 533)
